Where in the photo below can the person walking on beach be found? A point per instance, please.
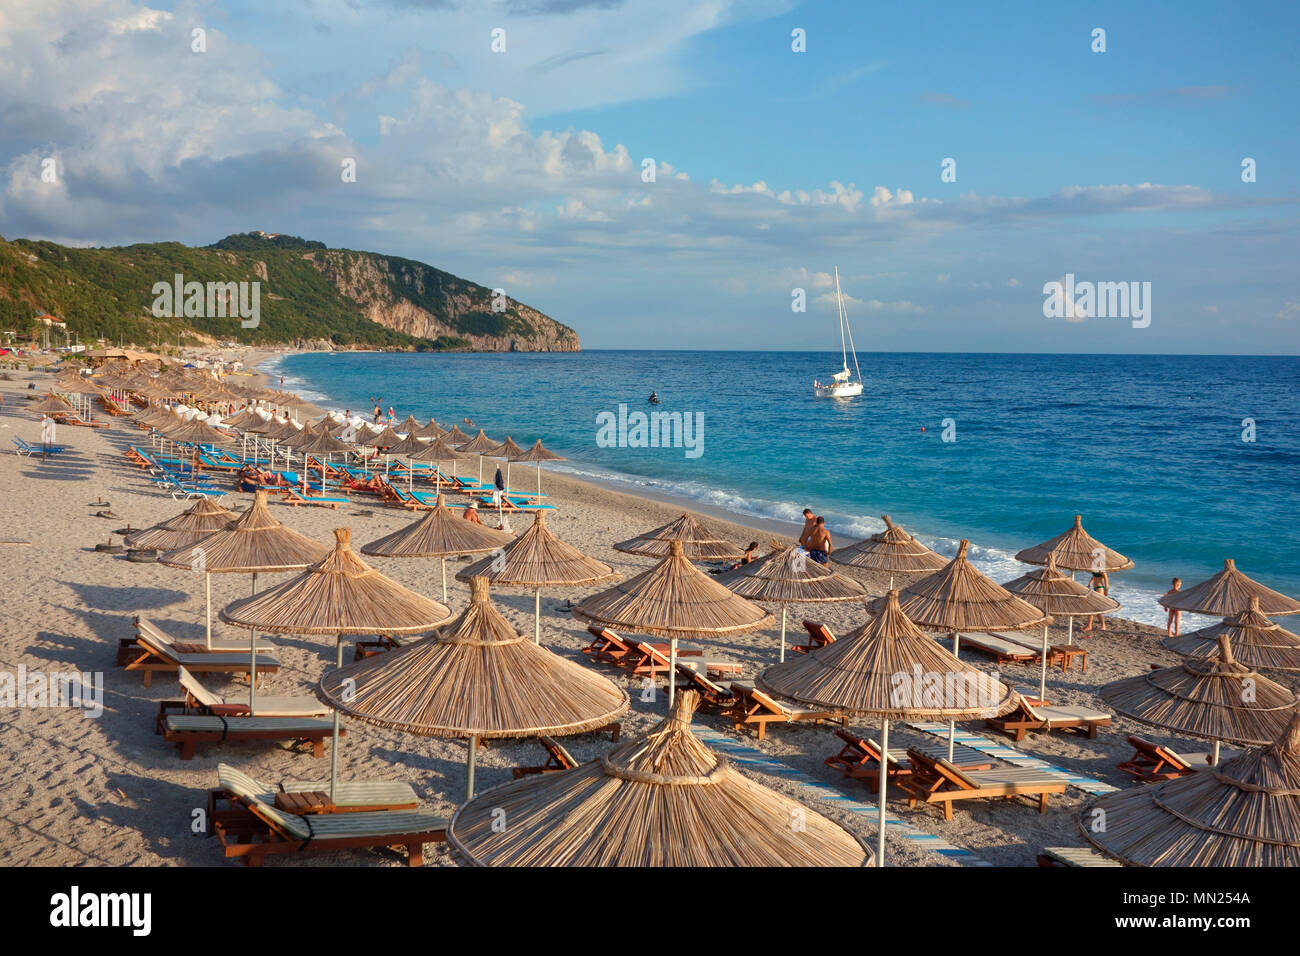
(471, 513)
(1100, 582)
(1175, 616)
(819, 542)
(809, 522)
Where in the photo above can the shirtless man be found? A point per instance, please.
(471, 513)
(809, 522)
(1175, 616)
(819, 542)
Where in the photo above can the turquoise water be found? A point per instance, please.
(1148, 448)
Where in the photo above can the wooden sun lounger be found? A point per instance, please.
(1074, 856)
(380, 644)
(295, 498)
(819, 635)
(711, 694)
(859, 758)
(126, 646)
(350, 796)
(154, 656)
(938, 781)
(558, 758)
(189, 730)
(1035, 715)
(607, 646)
(265, 829)
(200, 700)
(999, 648)
(1152, 763)
(652, 660)
(757, 709)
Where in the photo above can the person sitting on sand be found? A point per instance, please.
(819, 542)
(809, 522)
(746, 558)
(1175, 616)
(250, 478)
(471, 513)
(1099, 582)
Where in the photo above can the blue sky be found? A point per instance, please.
(522, 169)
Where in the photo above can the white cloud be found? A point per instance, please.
(1289, 312)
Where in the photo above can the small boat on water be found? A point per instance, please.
(842, 384)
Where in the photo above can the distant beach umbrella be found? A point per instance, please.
(438, 451)
(860, 675)
(509, 451)
(1256, 641)
(478, 678)
(386, 438)
(892, 550)
(455, 437)
(673, 599)
(439, 533)
(183, 530)
(1243, 814)
(407, 425)
(961, 598)
(1060, 596)
(1076, 550)
(698, 542)
(339, 595)
(538, 559)
(1229, 592)
(663, 799)
(1216, 700)
(537, 454)
(479, 445)
(49, 405)
(786, 576)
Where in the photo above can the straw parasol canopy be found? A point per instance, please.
(254, 542)
(409, 445)
(1217, 699)
(538, 559)
(480, 444)
(339, 594)
(438, 533)
(538, 454)
(786, 576)
(384, 439)
(196, 431)
(187, 528)
(1076, 550)
(664, 799)
(438, 450)
(673, 599)
(507, 450)
(860, 674)
(698, 543)
(478, 678)
(433, 430)
(49, 404)
(1229, 592)
(1243, 814)
(407, 425)
(1256, 641)
(892, 550)
(961, 598)
(454, 437)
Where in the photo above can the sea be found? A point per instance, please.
(1176, 461)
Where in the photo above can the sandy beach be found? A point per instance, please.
(109, 791)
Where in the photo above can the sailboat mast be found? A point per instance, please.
(839, 303)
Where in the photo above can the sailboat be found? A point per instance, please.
(842, 384)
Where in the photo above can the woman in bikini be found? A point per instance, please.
(1099, 582)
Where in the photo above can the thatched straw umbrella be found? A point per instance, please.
(509, 451)
(478, 678)
(437, 534)
(961, 598)
(662, 800)
(187, 528)
(536, 455)
(455, 437)
(538, 559)
(889, 669)
(1256, 641)
(674, 599)
(48, 405)
(1053, 593)
(1243, 814)
(479, 445)
(892, 550)
(1215, 700)
(407, 425)
(698, 542)
(339, 595)
(251, 544)
(438, 451)
(1076, 550)
(785, 576)
(317, 444)
(1229, 592)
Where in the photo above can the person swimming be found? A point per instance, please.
(654, 398)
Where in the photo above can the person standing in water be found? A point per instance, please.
(1099, 582)
(1175, 619)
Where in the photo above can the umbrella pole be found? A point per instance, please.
(469, 768)
(956, 643)
(884, 779)
(334, 752)
(952, 738)
(537, 616)
(252, 671)
(539, 482)
(444, 580)
(1071, 620)
(672, 671)
(1042, 681)
(782, 658)
(207, 587)
(1214, 757)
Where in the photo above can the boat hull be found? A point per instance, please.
(847, 390)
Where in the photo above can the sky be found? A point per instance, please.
(508, 141)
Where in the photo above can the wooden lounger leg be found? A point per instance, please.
(187, 749)
(1042, 803)
(1092, 730)
(148, 677)
(762, 728)
(947, 809)
(415, 854)
(318, 747)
